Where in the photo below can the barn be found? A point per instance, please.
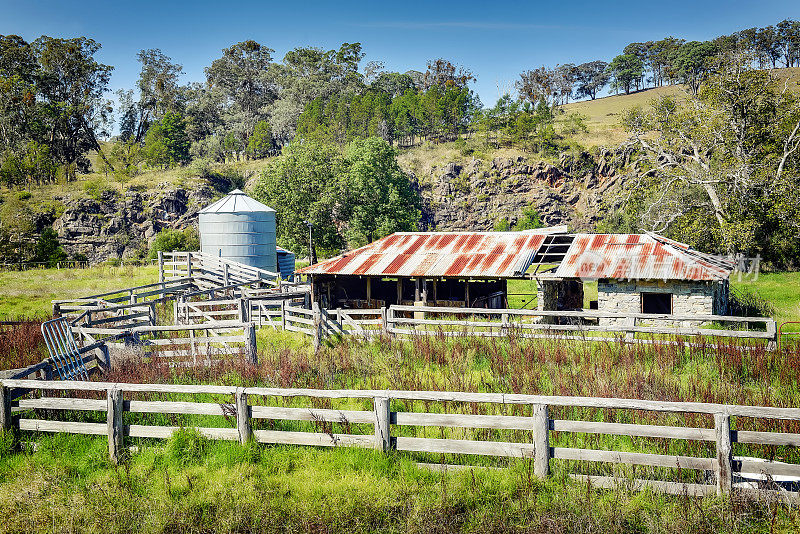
(635, 273)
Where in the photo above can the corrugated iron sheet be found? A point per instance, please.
(438, 254)
(638, 256)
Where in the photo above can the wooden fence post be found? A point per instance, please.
(541, 441)
(225, 275)
(243, 417)
(630, 322)
(188, 265)
(244, 310)
(56, 310)
(772, 331)
(317, 319)
(283, 315)
(722, 427)
(384, 323)
(250, 347)
(504, 324)
(161, 276)
(152, 313)
(114, 420)
(176, 308)
(383, 437)
(5, 408)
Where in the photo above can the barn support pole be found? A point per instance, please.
(399, 291)
(541, 441)
(114, 422)
(722, 428)
(243, 425)
(383, 439)
(369, 290)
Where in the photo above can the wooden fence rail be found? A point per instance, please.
(728, 471)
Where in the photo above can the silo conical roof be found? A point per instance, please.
(236, 202)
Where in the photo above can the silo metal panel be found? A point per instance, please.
(241, 229)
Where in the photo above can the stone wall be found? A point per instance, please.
(688, 298)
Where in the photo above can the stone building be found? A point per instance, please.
(637, 273)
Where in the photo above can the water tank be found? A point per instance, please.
(285, 262)
(240, 229)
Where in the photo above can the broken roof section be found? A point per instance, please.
(639, 256)
(440, 254)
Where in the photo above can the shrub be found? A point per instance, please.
(744, 302)
(170, 240)
(48, 250)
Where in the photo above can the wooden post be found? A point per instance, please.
(504, 324)
(5, 408)
(244, 310)
(772, 331)
(132, 297)
(369, 290)
(283, 315)
(161, 276)
(384, 322)
(317, 317)
(250, 347)
(224, 274)
(630, 322)
(56, 310)
(175, 309)
(399, 291)
(188, 265)
(114, 420)
(152, 314)
(243, 417)
(541, 441)
(722, 427)
(383, 439)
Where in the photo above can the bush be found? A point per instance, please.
(169, 240)
(97, 188)
(744, 302)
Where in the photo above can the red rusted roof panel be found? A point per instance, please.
(432, 254)
(639, 256)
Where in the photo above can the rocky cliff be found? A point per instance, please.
(122, 225)
(474, 196)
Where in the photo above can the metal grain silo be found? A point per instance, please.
(241, 229)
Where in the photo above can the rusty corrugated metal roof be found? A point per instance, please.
(439, 254)
(639, 256)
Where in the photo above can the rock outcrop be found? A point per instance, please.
(475, 195)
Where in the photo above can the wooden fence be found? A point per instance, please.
(441, 409)
(180, 344)
(210, 271)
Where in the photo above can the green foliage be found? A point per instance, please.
(693, 62)
(171, 240)
(745, 302)
(379, 197)
(530, 219)
(349, 198)
(627, 70)
(260, 143)
(97, 188)
(574, 123)
(502, 225)
(166, 143)
(47, 249)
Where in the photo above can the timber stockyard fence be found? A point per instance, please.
(23, 406)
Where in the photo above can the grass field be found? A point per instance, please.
(189, 484)
(28, 293)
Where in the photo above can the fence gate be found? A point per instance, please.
(63, 350)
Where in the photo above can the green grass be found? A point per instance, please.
(28, 293)
(780, 289)
(189, 485)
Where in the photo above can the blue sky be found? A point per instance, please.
(496, 40)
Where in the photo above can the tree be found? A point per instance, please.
(725, 160)
(443, 73)
(694, 62)
(48, 250)
(538, 85)
(301, 186)
(380, 199)
(159, 91)
(591, 77)
(166, 143)
(260, 142)
(625, 69)
(789, 41)
(71, 85)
